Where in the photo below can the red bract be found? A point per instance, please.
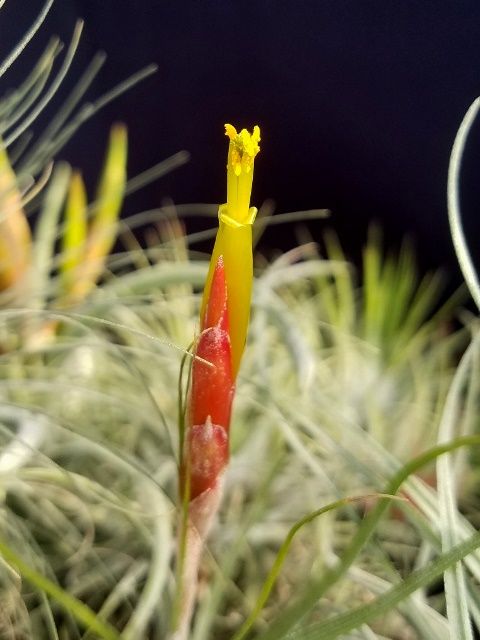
(216, 314)
(212, 385)
(206, 445)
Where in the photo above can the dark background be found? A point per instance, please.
(358, 102)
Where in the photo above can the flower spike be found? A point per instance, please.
(224, 317)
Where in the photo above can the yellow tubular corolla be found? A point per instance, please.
(234, 237)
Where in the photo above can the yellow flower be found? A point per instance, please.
(234, 237)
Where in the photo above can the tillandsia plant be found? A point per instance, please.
(224, 317)
(27, 273)
(30, 181)
(87, 529)
(85, 244)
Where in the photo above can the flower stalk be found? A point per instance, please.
(224, 318)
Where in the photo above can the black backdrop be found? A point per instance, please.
(358, 100)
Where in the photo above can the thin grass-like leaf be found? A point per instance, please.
(162, 547)
(41, 77)
(371, 287)
(12, 101)
(282, 553)
(343, 623)
(343, 282)
(316, 589)
(50, 148)
(157, 171)
(299, 349)
(453, 197)
(49, 94)
(45, 235)
(69, 105)
(7, 63)
(455, 583)
(85, 616)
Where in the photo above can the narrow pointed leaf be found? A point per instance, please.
(75, 233)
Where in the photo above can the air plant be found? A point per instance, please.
(351, 384)
(85, 245)
(38, 285)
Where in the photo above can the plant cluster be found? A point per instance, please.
(349, 501)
